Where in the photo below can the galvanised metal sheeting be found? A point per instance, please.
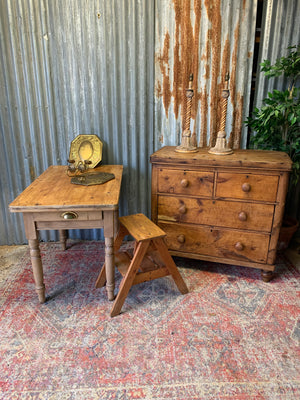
(280, 29)
(206, 39)
(74, 67)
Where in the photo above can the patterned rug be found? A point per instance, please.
(231, 337)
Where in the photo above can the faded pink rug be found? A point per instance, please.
(231, 337)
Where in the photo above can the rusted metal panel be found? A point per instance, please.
(207, 39)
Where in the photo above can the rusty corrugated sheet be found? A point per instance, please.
(207, 39)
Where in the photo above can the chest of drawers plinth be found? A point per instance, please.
(225, 209)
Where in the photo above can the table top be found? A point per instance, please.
(53, 190)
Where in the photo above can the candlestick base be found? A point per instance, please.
(186, 145)
(221, 148)
(182, 149)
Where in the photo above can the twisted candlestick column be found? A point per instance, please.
(225, 95)
(189, 94)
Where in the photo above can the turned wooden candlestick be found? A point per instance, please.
(186, 140)
(221, 147)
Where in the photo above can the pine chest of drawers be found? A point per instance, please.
(226, 209)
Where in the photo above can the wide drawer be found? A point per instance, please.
(230, 214)
(247, 186)
(237, 245)
(197, 183)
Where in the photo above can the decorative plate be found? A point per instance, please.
(86, 148)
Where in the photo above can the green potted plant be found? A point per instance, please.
(276, 125)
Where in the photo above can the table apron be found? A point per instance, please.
(69, 224)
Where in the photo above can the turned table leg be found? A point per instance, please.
(109, 267)
(37, 268)
(109, 233)
(63, 238)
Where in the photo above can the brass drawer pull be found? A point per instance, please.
(69, 215)
(239, 246)
(181, 238)
(242, 216)
(184, 183)
(246, 187)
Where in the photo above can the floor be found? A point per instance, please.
(9, 256)
(245, 332)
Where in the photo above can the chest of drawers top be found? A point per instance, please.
(250, 159)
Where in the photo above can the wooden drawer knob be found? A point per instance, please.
(246, 187)
(242, 216)
(239, 246)
(184, 183)
(182, 209)
(181, 238)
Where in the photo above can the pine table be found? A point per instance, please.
(52, 202)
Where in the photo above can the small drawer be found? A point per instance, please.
(69, 215)
(193, 183)
(247, 186)
(236, 245)
(224, 213)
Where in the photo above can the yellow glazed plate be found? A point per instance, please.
(86, 148)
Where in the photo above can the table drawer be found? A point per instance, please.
(237, 245)
(247, 186)
(185, 182)
(231, 214)
(68, 216)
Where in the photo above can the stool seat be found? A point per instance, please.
(149, 259)
(141, 228)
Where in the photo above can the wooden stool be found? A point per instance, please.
(150, 259)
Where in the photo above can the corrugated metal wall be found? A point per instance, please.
(280, 29)
(69, 68)
(117, 69)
